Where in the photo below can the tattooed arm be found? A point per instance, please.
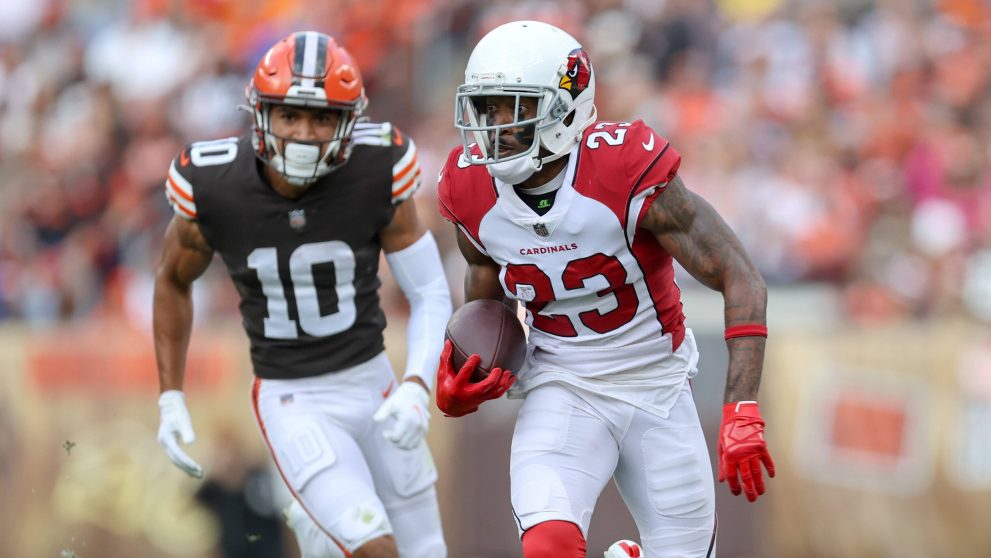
(695, 235)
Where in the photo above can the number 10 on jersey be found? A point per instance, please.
(278, 325)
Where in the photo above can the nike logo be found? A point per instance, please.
(649, 144)
(388, 390)
(183, 158)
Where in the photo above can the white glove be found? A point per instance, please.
(175, 423)
(408, 405)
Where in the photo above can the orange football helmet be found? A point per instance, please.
(306, 69)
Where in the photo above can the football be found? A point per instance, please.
(489, 329)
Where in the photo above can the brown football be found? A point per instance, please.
(489, 329)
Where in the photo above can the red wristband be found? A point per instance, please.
(745, 330)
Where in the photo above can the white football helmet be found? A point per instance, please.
(526, 59)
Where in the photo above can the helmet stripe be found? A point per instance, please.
(309, 70)
(321, 63)
(297, 64)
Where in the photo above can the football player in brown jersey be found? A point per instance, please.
(300, 210)
(581, 220)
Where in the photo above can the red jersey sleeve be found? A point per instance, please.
(625, 166)
(465, 193)
(445, 197)
(650, 159)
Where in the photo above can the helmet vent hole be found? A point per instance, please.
(569, 119)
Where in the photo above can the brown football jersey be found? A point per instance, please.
(306, 269)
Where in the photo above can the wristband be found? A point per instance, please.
(745, 330)
(733, 408)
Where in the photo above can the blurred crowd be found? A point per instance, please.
(847, 142)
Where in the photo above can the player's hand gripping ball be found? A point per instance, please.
(484, 344)
(489, 329)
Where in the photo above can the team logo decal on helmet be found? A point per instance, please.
(576, 78)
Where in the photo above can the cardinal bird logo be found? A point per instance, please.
(579, 73)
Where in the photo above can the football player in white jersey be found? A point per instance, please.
(580, 220)
(300, 209)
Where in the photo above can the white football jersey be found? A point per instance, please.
(603, 308)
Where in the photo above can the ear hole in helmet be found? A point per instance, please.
(570, 118)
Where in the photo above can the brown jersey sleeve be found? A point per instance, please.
(405, 168)
(178, 188)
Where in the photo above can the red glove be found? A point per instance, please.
(457, 395)
(742, 449)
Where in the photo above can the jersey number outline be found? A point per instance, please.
(575, 276)
(616, 137)
(278, 325)
(213, 152)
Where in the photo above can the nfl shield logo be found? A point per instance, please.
(297, 219)
(540, 229)
(526, 293)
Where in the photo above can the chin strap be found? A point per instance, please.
(517, 170)
(514, 171)
(578, 138)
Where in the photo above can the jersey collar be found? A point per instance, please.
(541, 226)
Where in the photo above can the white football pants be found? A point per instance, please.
(355, 485)
(568, 443)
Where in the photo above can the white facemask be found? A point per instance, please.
(514, 171)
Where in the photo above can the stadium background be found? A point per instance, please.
(846, 142)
